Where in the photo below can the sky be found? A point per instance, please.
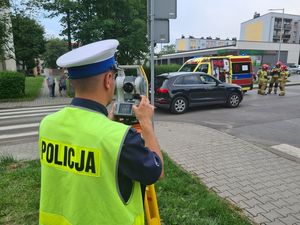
(219, 18)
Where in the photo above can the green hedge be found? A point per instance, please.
(12, 85)
(159, 69)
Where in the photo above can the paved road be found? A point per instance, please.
(263, 120)
(19, 130)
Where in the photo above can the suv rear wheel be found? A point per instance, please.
(233, 100)
(179, 105)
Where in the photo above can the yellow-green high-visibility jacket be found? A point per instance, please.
(79, 153)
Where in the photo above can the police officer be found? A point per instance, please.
(275, 72)
(262, 75)
(92, 167)
(282, 79)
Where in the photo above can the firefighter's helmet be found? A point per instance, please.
(265, 67)
(278, 64)
(283, 67)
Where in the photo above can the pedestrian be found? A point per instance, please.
(282, 79)
(92, 167)
(63, 83)
(262, 75)
(51, 85)
(275, 72)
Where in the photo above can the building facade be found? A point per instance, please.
(191, 43)
(267, 28)
(260, 52)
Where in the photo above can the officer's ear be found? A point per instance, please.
(109, 79)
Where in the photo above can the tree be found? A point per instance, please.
(91, 20)
(167, 49)
(54, 49)
(28, 40)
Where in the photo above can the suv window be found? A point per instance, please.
(188, 80)
(179, 81)
(191, 79)
(160, 82)
(207, 79)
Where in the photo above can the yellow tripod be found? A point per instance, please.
(151, 206)
(150, 201)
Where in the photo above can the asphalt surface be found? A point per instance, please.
(264, 185)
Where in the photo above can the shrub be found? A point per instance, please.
(159, 69)
(12, 84)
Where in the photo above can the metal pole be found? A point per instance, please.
(152, 49)
(281, 33)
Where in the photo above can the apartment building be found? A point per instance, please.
(267, 28)
(191, 43)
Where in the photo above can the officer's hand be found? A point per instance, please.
(144, 111)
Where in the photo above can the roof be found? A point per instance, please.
(175, 74)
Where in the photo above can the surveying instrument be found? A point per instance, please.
(131, 83)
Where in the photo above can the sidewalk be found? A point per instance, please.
(264, 185)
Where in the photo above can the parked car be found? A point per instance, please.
(298, 70)
(292, 69)
(178, 91)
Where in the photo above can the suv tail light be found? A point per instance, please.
(162, 90)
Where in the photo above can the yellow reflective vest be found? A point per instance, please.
(79, 153)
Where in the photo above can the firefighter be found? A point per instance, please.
(282, 79)
(275, 73)
(262, 75)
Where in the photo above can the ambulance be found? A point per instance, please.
(230, 69)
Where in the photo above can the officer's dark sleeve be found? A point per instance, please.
(137, 162)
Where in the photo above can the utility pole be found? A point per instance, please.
(69, 29)
(281, 31)
(152, 49)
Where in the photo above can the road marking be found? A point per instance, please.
(30, 108)
(22, 116)
(29, 111)
(12, 127)
(289, 149)
(5, 136)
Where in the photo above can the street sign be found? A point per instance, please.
(165, 9)
(161, 34)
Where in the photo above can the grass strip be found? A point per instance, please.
(19, 188)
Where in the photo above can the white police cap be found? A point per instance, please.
(90, 60)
